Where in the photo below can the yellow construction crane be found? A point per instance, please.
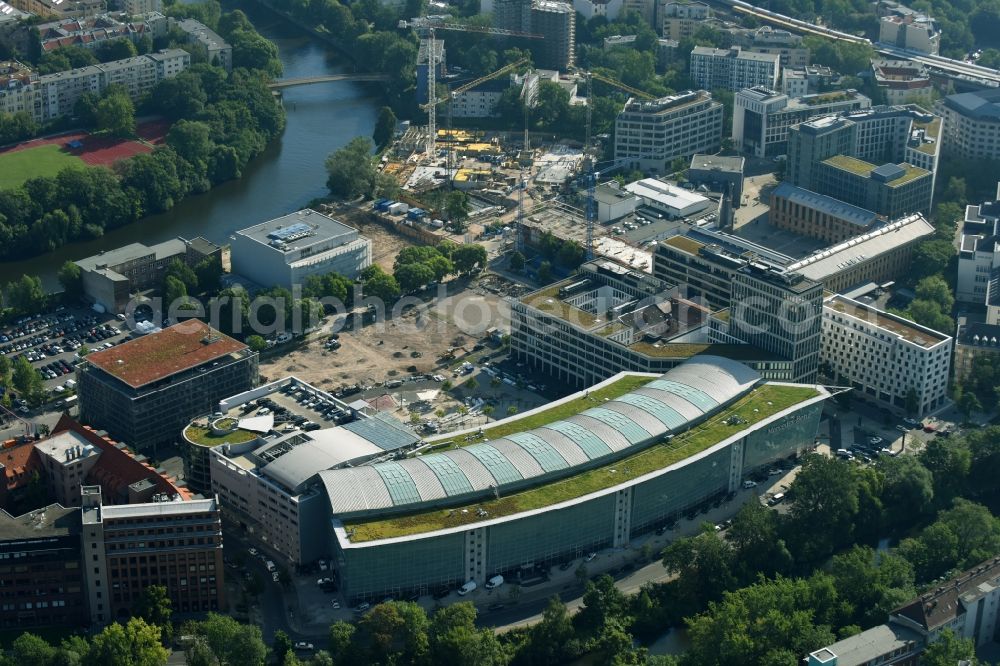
(431, 24)
(621, 86)
(465, 87)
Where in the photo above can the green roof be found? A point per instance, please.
(547, 300)
(852, 164)
(684, 243)
(204, 437)
(912, 173)
(760, 404)
(616, 389)
(689, 349)
(931, 130)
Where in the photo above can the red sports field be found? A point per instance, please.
(101, 150)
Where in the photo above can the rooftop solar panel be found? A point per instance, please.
(291, 232)
(383, 431)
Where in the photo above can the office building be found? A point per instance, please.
(608, 319)
(651, 134)
(705, 261)
(719, 174)
(434, 522)
(137, 7)
(613, 203)
(890, 361)
(978, 254)
(818, 216)
(890, 190)
(216, 50)
(144, 391)
(288, 249)
(111, 278)
(972, 124)
(910, 30)
(903, 81)
(776, 311)
(265, 474)
(42, 567)
(51, 96)
(556, 22)
(878, 256)
(423, 59)
(966, 605)
(680, 20)
(806, 80)
(733, 69)
(761, 116)
(128, 548)
(899, 134)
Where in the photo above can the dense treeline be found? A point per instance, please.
(221, 123)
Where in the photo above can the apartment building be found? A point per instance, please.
(818, 216)
(60, 8)
(890, 190)
(762, 117)
(51, 96)
(90, 32)
(910, 30)
(651, 134)
(144, 391)
(286, 250)
(15, 77)
(978, 253)
(972, 124)
(610, 9)
(974, 343)
(609, 318)
(733, 69)
(136, 7)
(216, 50)
(680, 20)
(425, 60)
(888, 360)
(772, 41)
(556, 22)
(903, 81)
(806, 80)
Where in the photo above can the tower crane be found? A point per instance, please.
(431, 25)
(594, 174)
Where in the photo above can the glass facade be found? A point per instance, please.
(782, 438)
(400, 569)
(666, 497)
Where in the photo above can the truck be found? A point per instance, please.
(70, 401)
(468, 587)
(494, 582)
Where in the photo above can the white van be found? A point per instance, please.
(494, 582)
(468, 587)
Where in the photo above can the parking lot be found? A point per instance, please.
(53, 342)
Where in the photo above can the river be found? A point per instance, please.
(321, 118)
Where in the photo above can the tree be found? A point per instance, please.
(116, 49)
(949, 650)
(351, 170)
(869, 585)
(512, 410)
(758, 546)
(704, 568)
(380, 285)
(72, 281)
(232, 643)
(341, 635)
(456, 208)
(393, 632)
(135, 644)
(969, 404)
(516, 261)
(468, 257)
(935, 289)
(545, 272)
(31, 649)
(26, 379)
(602, 602)
(25, 295)
(454, 639)
(908, 489)
(191, 140)
(154, 606)
(826, 502)
(174, 291)
(385, 127)
(931, 258)
(256, 343)
(413, 277)
(116, 114)
(281, 646)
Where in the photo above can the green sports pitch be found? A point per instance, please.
(48, 160)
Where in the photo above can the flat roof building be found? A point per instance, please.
(903, 81)
(672, 200)
(288, 249)
(733, 69)
(720, 174)
(816, 215)
(217, 51)
(651, 134)
(888, 360)
(972, 124)
(146, 390)
(910, 30)
(978, 254)
(890, 190)
(608, 470)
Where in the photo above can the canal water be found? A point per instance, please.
(320, 118)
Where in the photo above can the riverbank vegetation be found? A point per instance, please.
(221, 122)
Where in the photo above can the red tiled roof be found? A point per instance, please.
(117, 468)
(157, 355)
(20, 462)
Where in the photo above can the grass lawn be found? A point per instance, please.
(47, 160)
(759, 405)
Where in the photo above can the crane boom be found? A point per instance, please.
(482, 79)
(622, 86)
(431, 24)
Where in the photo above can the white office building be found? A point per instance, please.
(972, 124)
(888, 360)
(910, 30)
(673, 201)
(979, 254)
(761, 116)
(734, 69)
(286, 250)
(651, 134)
